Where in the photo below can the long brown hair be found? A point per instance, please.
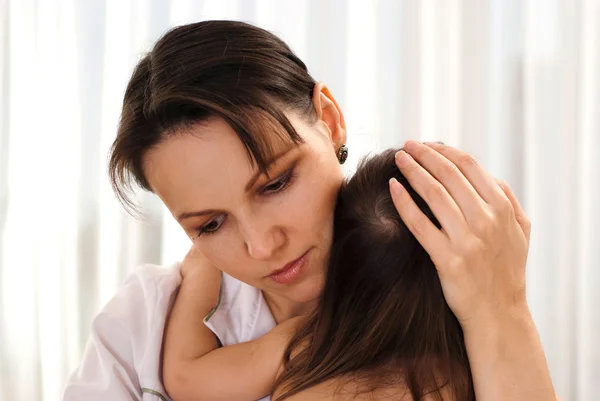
(228, 69)
(383, 319)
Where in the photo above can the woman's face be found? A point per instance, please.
(248, 225)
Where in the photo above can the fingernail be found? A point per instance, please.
(395, 186)
(410, 145)
(403, 159)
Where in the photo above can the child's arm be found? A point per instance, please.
(244, 371)
(186, 338)
(194, 368)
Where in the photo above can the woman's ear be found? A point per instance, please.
(330, 113)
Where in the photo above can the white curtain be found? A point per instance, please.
(514, 82)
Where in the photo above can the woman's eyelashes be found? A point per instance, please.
(212, 226)
(274, 187)
(279, 184)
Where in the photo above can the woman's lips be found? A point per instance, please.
(291, 271)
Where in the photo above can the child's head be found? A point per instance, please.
(382, 309)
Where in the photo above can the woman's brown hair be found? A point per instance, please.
(382, 320)
(241, 73)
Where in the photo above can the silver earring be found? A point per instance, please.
(342, 154)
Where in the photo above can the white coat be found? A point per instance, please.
(121, 361)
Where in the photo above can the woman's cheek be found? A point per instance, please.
(214, 250)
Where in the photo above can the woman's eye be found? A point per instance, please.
(278, 185)
(212, 226)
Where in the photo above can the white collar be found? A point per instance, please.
(241, 314)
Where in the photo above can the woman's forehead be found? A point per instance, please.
(269, 137)
(207, 156)
(213, 140)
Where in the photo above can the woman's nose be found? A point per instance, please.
(263, 241)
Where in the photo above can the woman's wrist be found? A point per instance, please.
(489, 339)
(490, 324)
(507, 359)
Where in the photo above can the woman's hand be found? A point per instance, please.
(480, 255)
(481, 251)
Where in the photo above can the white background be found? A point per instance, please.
(514, 82)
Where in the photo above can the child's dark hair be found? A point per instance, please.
(383, 319)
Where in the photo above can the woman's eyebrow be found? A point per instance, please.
(269, 163)
(187, 215)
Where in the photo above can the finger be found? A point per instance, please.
(520, 214)
(466, 197)
(483, 182)
(434, 241)
(435, 195)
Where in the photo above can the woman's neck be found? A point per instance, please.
(283, 308)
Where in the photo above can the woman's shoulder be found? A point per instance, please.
(147, 288)
(138, 311)
(122, 355)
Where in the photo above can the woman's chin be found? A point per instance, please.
(308, 290)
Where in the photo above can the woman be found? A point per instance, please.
(223, 122)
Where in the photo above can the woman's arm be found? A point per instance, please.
(194, 368)
(480, 255)
(507, 359)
